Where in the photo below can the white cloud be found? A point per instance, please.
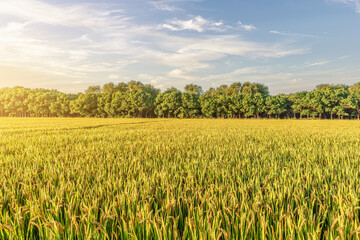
(281, 33)
(76, 15)
(158, 81)
(60, 50)
(182, 74)
(319, 63)
(114, 77)
(355, 3)
(165, 6)
(291, 34)
(238, 72)
(204, 52)
(295, 80)
(169, 5)
(247, 27)
(198, 24)
(234, 45)
(80, 42)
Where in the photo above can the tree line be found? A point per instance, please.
(135, 99)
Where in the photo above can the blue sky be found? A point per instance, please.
(288, 45)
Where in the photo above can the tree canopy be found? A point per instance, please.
(135, 99)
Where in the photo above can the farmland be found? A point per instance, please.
(172, 179)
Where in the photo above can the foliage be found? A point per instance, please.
(135, 99)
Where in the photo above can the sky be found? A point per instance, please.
(288, 45)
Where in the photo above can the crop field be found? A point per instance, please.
(179, 179)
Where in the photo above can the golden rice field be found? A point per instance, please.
(179, 179)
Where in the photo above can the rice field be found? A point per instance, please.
(179, 179)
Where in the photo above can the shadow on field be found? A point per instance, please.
(105, 125)
(57, 130)
(108, 125)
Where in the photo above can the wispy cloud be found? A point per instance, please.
(113, 77)
(170, 5)
(76, 15)
(158, 81)
(279, 81)
(236, 46)
(198, 24)
(281, 33)
(355, 3)
(74, 43)
(180, 73)
(291, 34)
(319, 63)
(83, 42)
(164, 6)
(247, 27)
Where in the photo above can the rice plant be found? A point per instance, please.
(179, 179)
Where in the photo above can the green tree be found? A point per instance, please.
(224, 109)
(104, 103)
(208, 105)
(119, 106)
(15, 102)
(276, 105)
(61, 106)
(316, 103)
(122, 87)
(39, 102)
(234, 89)
(169, 103)
(296, 102)
(254, 88)
(93, 89)
(248, 105)
(109, 88)
(135, 99)
(190, 105)
(306, 106)
(332, 100)
(193, 89)
(237, 104)
(259, 102)
(86, 105)
(354, 92)
(3, 91)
